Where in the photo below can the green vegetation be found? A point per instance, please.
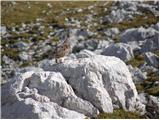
(119, 114)
(137, 61)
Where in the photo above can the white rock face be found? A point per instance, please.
(31, 105)
(53, 87)
(102, 80)
(152, 59)
(136, 37)
(85, 54)
(120, 50)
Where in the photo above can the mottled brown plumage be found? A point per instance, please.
(62, 49)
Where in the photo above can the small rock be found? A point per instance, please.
(112, 32)
(3, 30)
(137, 74)
(21, 46)
(152, 59)
(24, 56)
(120, 50)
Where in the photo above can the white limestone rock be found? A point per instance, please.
(120, 50)
(85, 54)
(31, 105)
(50, 84)
(102, 80)
(54, 86)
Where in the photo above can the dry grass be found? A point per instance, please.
(137, 61)
(119, 114)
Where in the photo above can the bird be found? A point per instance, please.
(61, 49)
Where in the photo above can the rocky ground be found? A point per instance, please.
(112, 70)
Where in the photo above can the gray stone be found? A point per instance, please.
(111, 32)
(150, 44)
(120, 50)
(142, 98)
(89, 45)
(152, 105)
(145, 68)
(104, 44)
(137, 74)
(24, 56)
(3, 30)
(156, 26)
(21, 46)
(152, 59)
(137, 37)
(7, 67)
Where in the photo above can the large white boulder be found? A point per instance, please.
(50, 84)
(54, 86)
(30, 105)
(120, 50)
(104, 81)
